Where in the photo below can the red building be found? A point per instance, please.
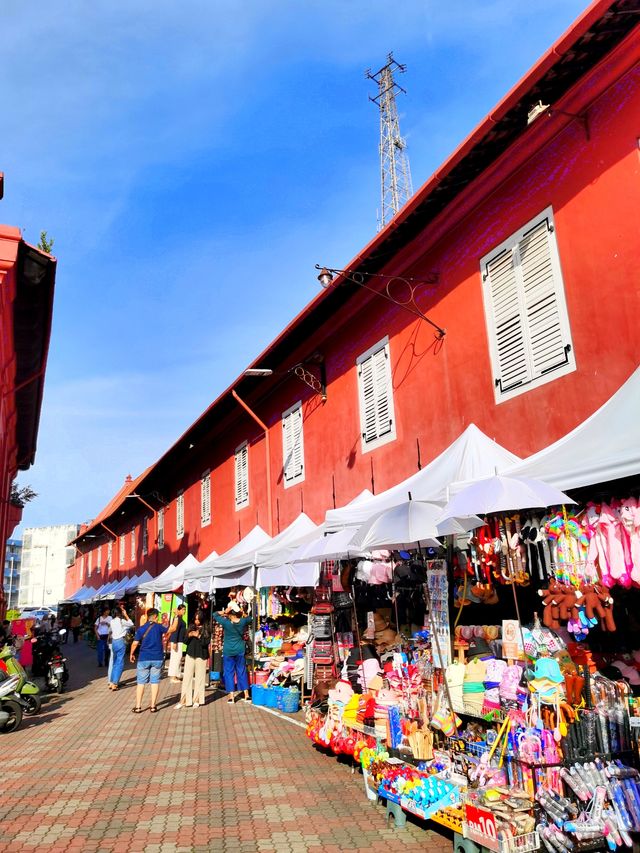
(523, 247)
(27, 278)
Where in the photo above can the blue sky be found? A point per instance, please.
(193, 161)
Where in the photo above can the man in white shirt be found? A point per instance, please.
(101, 628)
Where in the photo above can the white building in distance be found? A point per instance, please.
(46, 553)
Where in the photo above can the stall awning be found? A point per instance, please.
(172, 578)
(107, 590)
(471, 456)
(273, 558)
(602, 448)
(239, 557)
(134, 583)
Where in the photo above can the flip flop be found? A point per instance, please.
(153, 709)
(137, 710)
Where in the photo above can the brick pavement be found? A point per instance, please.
(88, 775)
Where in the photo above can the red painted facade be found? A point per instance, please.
(586, 170)
(26, 298)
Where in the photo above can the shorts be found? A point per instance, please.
(148, 671)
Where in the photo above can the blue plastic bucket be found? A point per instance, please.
(291, 701)
(257, 694)
(270, 697)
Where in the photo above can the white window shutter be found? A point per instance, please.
(205, 498)
(242, 475)
(548, 349)
(133, 543)
(145, 536)
(161, 528)
(511, 347)
(292, 445)
(376, 395)
(109, 555)
(527, 319)
(180, 515)
(121, 550)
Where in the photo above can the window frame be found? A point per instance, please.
(121, 549)
(384, 438)
(512, 243)
(144, 524)
(132, 553)
(109, 555)
(241, 449)
(286, 419)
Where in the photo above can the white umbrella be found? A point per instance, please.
(336, 546)
(412, 524)
(503, 494)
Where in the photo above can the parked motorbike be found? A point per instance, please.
(27, 689)
(48, 661)
(11, 706)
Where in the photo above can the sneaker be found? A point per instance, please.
(179, 706)
(196, 704)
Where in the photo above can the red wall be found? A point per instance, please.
(593, 186)
(9, 241)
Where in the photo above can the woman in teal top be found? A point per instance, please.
(234, 666)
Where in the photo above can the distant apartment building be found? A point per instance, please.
(46, 554)
(12, 564)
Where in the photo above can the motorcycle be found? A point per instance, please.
(49, 663)
(11, 706)
(27, 689)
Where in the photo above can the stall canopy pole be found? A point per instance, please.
(254, 625)
(427, 597)
(355, 616)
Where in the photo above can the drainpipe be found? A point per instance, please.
(267, 440)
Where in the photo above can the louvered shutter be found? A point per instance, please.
(512, 359)
(242, 475)
(292, 445)
(98, 558)
(109, 556)
(205, 498)
(161, 528)
(546, 339)
(180, 516)
(526, 313)
(133, 543)
(121, 550)
(375, 391)
(145, 537)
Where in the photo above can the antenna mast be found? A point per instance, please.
(395, 174)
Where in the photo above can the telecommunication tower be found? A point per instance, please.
(395, 174)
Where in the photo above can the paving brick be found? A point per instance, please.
(227, 779)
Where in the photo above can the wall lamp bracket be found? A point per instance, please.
(398, 290)
(546, 109)
(301, 371)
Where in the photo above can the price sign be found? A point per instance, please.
(481, 822)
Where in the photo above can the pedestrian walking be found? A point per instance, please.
(195, 663)
(233, 650)
(76, 623)
(149, 667)
(101, 628)
(120, 624)
(176, 641)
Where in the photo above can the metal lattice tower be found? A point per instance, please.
(395, 174)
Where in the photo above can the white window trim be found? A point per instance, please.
(242, 448)
(299, 477)
(144, 524)
(160, 542)
(109, 555)
(89, 562)
(98, 558)
(563, 315)
(180, 514)
(121, 549)
(367, 446)
(205, 499)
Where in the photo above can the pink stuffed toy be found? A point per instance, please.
(609, 524)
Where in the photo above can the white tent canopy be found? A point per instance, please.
(238, 557)
(135, 582)
(273, 558)
(602, 448)
(334, 546)
(171, 578)
(471, 456)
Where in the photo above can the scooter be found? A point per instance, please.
(11, 706)
(27, 689)
(48, 662)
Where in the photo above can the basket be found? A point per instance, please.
(271, 696)
(514, 844)
(290, 701)
(257, 694)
